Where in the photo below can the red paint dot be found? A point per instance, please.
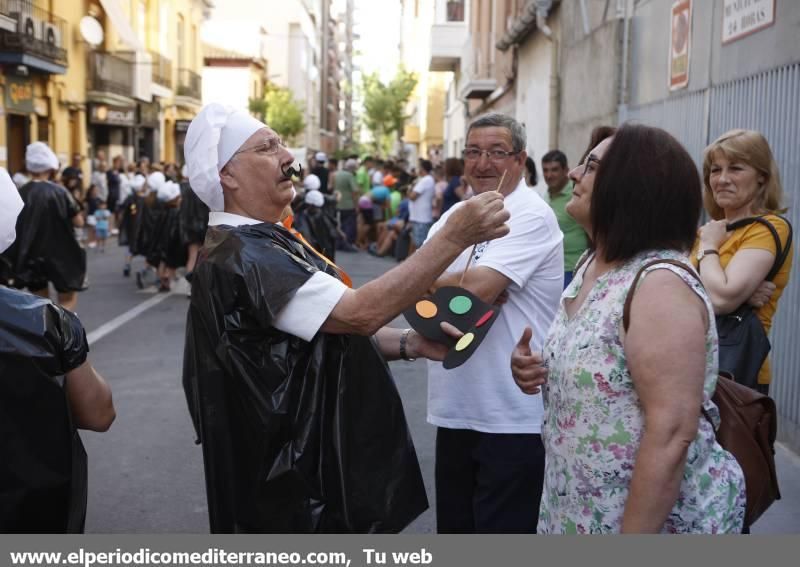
(483, 320)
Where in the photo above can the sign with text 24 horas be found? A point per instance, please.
(741, 18)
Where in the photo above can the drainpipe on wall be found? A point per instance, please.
(622, 106)
(555, 88)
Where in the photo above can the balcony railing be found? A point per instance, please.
(162, 70)
(39, 33)
(189, 84)
(110, 73)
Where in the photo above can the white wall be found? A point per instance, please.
(533, 97)
(455, 126)
(227, 85)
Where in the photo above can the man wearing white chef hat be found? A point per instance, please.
(46, 250)
(284, 366)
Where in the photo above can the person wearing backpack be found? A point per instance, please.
(739, 249)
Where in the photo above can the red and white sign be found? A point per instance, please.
(679, 48)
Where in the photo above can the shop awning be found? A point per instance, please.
(116, 14)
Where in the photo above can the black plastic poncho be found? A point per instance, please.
(43, 466)
(131, 222)
(319, 229)
(46, 249)
(151, 230)
(171, 248)
(194, 216)
(297, 436)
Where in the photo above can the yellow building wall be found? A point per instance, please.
(61, 99)
(57, 96)
(177, 108)
(433, 129)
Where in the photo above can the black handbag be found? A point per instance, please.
(743, 342)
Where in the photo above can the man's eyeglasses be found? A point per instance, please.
(270, 146)
(590, 165)
(497, 156)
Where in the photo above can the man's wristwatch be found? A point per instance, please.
(403, 342)
(703, 253)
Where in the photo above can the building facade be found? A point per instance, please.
(424, 132)
(300, 39)
(232, 78)
(85, 76)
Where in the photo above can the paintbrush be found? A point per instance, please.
(475, 247)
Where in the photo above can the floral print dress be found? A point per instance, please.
(594, 423)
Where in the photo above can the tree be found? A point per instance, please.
(384, 107)
(258, 108)
(284, 114)
(280, 111)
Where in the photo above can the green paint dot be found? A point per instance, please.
(460, 304)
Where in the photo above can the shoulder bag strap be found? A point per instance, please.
(626, 311)
(780, 252)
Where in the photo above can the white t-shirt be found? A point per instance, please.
(421, 209)
(312, 302)
(481, 393)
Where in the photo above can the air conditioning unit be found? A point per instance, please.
(51, 35)
(28, 26)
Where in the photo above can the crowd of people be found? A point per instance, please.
(586, 409)
(148, 207)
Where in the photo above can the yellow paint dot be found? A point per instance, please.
(465, 341)
(427, 309)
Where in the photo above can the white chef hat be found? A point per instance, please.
(40, 158)
(214, 135)
(314, 198)
(311, 182)
(155, 180)
(168, 190)
(321, 157)
(10, 206)
(138, 181)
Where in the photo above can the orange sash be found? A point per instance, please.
(287, 223)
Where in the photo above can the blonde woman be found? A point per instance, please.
(742, 180)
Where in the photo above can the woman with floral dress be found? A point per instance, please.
(627, 447)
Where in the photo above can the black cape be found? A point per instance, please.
(194, 216)
(319, 229)
(43, 465)
(131, 222)
(171, 248)
(46, 249)
(151, 230)
(297, 436)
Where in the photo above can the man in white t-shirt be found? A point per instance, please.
(489, 453)
(285, 364)
(420, 207)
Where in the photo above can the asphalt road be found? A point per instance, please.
(146, 472)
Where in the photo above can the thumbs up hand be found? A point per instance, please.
(526, 367)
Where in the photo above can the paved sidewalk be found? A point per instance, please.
(411, 377)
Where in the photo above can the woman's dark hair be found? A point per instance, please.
(453, 167)
(647, 194)
(533, 176)
(598, 135)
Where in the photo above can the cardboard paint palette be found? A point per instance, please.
(460, 308)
